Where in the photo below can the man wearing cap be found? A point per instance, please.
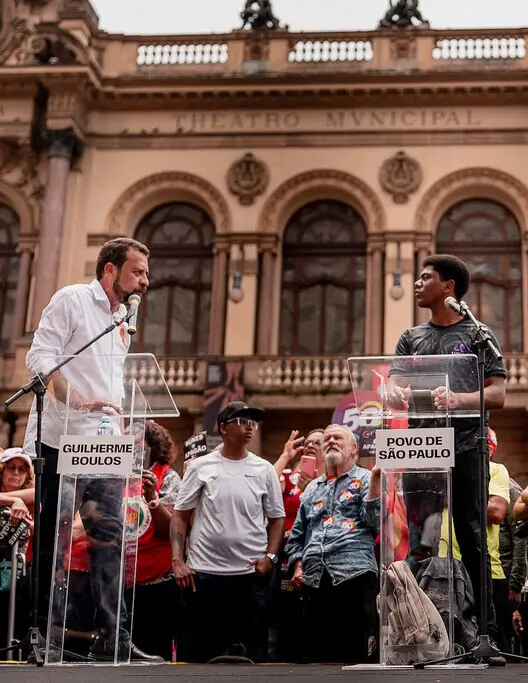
(234, 495)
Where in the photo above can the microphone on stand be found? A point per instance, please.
(133, 301)
(454, 305)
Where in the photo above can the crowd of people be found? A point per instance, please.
(244, 559)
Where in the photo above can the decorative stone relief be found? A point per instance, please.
(403, 47)
(13, 30)
(400, 176)
(248, 178)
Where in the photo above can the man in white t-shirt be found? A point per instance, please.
(237, 530)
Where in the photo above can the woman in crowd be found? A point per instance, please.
(17, 499)
(156, 596)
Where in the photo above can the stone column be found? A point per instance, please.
(21, 297)
(374, 297)
(218, 298)
(64, 146)
(267, 283)
(421, 315)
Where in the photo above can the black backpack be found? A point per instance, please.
(433, 578)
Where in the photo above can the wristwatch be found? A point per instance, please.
(274, 559)
(153, 504)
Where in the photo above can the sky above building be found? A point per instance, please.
(220, 16)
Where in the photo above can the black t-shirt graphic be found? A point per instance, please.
(429, 339)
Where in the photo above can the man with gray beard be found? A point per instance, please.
(331, 553)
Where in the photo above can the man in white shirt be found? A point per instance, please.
(231, 553)
(74, 316)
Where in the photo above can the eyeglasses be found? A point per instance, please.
(244, 421)
(314, 442)
(23, 469)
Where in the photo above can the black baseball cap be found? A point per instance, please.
(238, 409)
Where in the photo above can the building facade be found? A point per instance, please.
(287, 184)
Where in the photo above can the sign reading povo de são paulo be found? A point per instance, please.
(415, 448)
(90, 455)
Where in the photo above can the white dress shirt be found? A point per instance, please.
(74, 316)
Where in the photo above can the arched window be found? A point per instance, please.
(175, 310)
(9, 267)
(323, 281)
(486, 235)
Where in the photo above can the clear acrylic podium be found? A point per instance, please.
(393, 395)
(99, 508)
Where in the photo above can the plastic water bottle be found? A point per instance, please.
(105, 428)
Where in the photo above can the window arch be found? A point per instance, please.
(175, 310)
(9, 269)
(323, 281)
(486, 235)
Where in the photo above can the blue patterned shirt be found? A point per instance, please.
(335, 528)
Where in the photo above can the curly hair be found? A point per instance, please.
(29, 483)
(163, 448)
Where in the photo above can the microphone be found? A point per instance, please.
(452, 303)
(133, 301)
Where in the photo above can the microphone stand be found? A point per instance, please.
(485, 649)
(38, 386)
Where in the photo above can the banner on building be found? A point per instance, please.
(224, 382)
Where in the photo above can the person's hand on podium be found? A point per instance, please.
(99, 405)
(398, 398)
(441, 401)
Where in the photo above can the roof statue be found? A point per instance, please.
(403, 14)
(258, 15)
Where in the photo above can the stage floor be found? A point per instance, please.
(190, 673)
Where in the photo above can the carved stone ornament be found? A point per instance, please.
(256, 47)
(403, 46)
(29, 181)
(400, 176)
(13, 30)
(247, 179)
(9, 156)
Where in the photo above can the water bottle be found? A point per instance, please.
(105, 428)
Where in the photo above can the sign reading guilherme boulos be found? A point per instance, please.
(415, 448)
(89, 455)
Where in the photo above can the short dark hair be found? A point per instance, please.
(451, 268)
(116, 251)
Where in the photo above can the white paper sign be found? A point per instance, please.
(418, 449)
(89, 455)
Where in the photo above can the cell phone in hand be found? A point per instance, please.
(308, 465)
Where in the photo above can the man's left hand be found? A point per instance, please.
(262, 566)
(441, 401)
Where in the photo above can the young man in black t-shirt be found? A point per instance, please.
(446, 333)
